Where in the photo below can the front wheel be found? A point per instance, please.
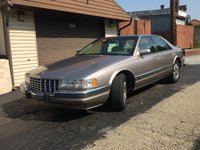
(175, 75)
(118, 93)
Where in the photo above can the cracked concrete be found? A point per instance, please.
(172, 124)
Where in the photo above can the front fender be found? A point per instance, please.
(118, 72)
(182, 60)
(175, 58)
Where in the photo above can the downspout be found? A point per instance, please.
(125, 26)
(6, 12)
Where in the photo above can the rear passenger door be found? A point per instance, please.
(165, 55)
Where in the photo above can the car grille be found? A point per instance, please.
(44, 85)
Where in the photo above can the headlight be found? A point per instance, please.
(27, 79)
(70, 84)
(87, 84)
(77, 84)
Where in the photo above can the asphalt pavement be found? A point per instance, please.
(159, 116)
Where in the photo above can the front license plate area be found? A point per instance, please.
(47, 95)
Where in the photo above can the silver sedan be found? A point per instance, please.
(105, 71)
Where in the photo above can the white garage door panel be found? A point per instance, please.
(23, 45)
(25, 52)
(27, 57)
(22, 41)
(26, 38)
(22, 70)
(25, 66)
(22, 63)
(23, 33)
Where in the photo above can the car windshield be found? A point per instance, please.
(110, 46)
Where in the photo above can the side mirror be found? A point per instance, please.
(144, 52)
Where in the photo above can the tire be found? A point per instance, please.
(118, 93)
(175, 75)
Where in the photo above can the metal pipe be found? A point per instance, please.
(125, 26)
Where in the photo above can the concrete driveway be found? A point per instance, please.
(160, 116)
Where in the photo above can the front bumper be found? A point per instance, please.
(70, 99)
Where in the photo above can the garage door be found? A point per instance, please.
(60, 35)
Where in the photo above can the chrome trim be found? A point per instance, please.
(83, 92)
(150, 73)
(44, 85)
(24, 89)
(92, 97)
(37, 93)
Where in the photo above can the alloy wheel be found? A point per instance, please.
(124, 92)
(176, 71)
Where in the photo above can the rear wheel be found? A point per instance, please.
(118, 93)
(175, 75)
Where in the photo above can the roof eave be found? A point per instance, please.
(126, 17)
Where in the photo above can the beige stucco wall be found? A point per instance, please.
(5, 78)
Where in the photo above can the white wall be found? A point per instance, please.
(23, 44)
(2, 39)
(5, 78)
(111, 30)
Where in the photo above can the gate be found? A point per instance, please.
(197, 37)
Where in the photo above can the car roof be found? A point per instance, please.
(140, 35)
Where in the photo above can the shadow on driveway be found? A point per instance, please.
(196, 144)
(57, 128)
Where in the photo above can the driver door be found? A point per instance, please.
(146, 65)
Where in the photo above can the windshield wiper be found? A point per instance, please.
(90, 54)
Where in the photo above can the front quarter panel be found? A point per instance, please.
(179, 54)
(116, 72)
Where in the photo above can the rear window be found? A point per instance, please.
(161, 45)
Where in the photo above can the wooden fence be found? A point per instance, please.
(185, 36)
(136, 27)
(184, 33)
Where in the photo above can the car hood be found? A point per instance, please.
(77, 67)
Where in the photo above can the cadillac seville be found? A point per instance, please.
(104, 71)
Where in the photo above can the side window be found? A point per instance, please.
(146, 43)
(129, 45)
(160, 44)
